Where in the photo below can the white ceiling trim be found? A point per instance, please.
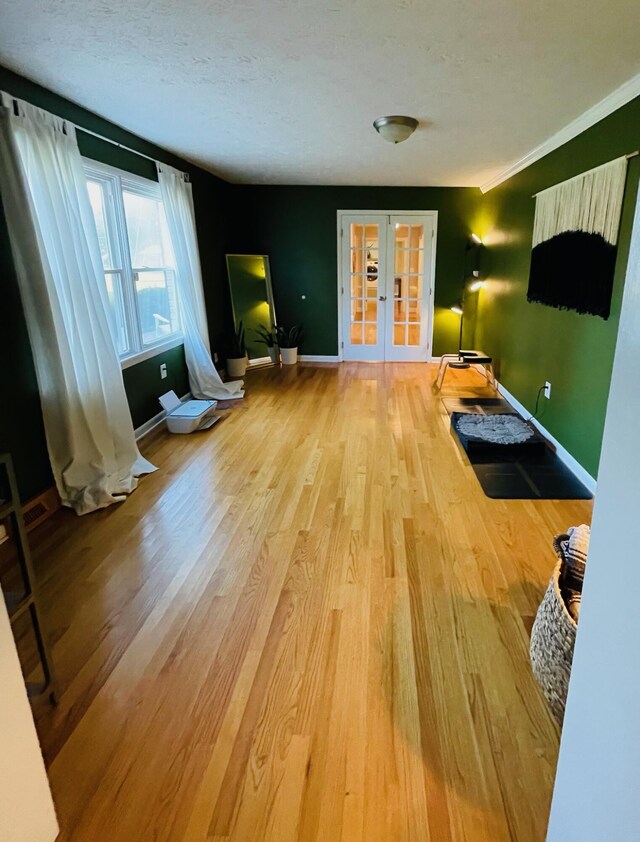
(616, 99)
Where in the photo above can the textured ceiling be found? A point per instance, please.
(285, 91)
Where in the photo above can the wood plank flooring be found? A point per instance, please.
(310, 625)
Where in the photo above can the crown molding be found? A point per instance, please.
(616, 99)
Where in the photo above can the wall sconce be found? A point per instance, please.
(476, 285)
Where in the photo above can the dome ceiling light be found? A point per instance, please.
(395, 128)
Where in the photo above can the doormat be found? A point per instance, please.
(499, 437)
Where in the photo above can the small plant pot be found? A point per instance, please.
(289, 356)
(237, 366)
(274, 355)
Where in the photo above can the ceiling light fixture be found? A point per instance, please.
(395, 128)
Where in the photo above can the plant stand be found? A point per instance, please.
(25, 600)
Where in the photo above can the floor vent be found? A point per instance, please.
(40, 508)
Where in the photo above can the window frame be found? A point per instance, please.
(114, 181)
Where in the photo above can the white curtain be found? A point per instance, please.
(90, 436)
(204, 380)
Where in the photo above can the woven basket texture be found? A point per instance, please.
(553, 637)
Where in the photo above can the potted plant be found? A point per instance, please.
(289, 341)
(266, 337)
(237, 359)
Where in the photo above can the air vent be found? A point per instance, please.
(40, 508)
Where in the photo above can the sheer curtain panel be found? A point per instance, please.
(204, 380)
(92, 448)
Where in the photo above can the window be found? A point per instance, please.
(137, 259)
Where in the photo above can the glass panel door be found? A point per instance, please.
(386, 286)
(410, 253)
(364, 268)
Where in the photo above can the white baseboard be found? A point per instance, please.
(318, 358)
(561, 452)
(144, 429)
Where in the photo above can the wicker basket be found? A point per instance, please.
(552, 640)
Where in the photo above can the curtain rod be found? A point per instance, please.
(95, 134)
(109, 140)
(586, 172)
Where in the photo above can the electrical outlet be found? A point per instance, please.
(547, 389)
(163, 371)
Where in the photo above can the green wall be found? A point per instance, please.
(533, 343)
(296, 227)
(22, 433)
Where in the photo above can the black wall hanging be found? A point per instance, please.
(575, 237)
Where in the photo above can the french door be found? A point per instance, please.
(386, 296)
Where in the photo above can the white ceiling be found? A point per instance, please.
(285, 91)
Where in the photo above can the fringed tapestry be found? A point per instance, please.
(575, 237)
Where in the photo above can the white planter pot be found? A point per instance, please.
(237, 366)
(289, 356)
(274, 355)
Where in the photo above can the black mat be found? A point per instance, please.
(543, 477)
(547, 479)
(483, 406)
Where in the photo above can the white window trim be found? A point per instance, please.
(151, 351)
(98, 170)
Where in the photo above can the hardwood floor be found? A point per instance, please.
(309, 624)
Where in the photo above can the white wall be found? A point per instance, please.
(597, 790)
(26, 806)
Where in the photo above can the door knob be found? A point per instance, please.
(382, 298)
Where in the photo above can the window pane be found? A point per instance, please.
(157, 304)
(370, 334)
(399, 311)
(113, 282)
(356, 286)
(371, 311)
(356, 334)
(149, 242)
(399, 334)
(97, 198)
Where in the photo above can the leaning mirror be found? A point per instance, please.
(252, 301)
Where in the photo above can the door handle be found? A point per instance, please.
(382, 298)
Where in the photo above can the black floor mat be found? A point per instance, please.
(547, 479)
(543, 478)
(483, 406)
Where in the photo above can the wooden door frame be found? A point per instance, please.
(433, 214)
